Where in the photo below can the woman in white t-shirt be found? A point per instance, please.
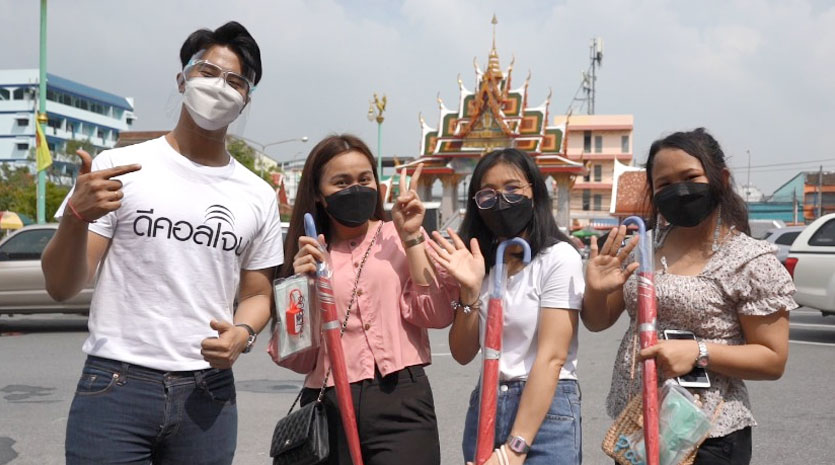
(538, 413)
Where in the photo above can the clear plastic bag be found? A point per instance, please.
(682, 426)
(297, 321)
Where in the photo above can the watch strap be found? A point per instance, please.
(252, 336)
(703, 358)
(518, 444)
(413, 241)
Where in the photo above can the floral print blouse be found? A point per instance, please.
(743, 277)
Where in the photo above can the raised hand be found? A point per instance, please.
(466, 266)
(223, 350)
(604, 271)
(96, 194)
(408, 210)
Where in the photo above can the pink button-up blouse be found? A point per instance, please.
(388, 321)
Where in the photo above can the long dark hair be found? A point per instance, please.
(701, 145)
(308, 191)
(542, 231)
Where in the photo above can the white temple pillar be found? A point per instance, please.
(563, 203)
(449, 201)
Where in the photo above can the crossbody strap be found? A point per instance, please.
(347, 315)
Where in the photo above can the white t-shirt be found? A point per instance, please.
(178, 244)
(553, 279)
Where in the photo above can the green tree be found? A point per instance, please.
(18, 192)
(245, 155)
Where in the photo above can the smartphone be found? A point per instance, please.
(697, 377)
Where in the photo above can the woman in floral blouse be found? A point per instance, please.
(711, 279)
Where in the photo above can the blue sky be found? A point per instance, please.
(757, 73)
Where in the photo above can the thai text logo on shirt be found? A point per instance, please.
(217, 230)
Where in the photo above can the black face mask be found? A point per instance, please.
(686, 204)
(353, 206)
(505, 219)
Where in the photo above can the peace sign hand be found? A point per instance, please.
(95, 193)
(408, 210)
(604, 271)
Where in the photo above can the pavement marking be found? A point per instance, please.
(829, 344)
(807, 312)
(441, 354)
(811, 325)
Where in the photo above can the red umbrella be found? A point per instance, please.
(647, 312)
(336, 356)
(491, 353)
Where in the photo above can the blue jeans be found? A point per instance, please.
(123, 413)
(559, 439)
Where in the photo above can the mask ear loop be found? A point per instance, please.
(715, 246)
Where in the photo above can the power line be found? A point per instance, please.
(783, 164)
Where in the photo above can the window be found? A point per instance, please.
(22, 121)
(624, 144)
(100, 134)
(23, 146)
(27, 245)
(598, 202)
(18, 94)
(51, 95)
(586, 141)
(598, 144)
(598, 173)
(5, 94)
(787, 238)
(71, 127)
(825, 235)
(586, 200)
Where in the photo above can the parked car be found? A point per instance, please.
(811, 263)
(759, 227)
(22, 286)
(783, 239)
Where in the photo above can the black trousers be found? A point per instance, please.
(395, 418)
(732, 449)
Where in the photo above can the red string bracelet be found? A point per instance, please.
(78, 215)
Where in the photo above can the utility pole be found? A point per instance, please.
(41, 119)
(748, 185)
(820, 192)
(794, 205)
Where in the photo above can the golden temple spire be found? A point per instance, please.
(493, 67)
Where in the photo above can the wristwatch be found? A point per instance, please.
(518, 444)
(703, 358)
(251, 339)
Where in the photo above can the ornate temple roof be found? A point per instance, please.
(494, 115)
(629, 191)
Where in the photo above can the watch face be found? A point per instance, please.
(518, 445)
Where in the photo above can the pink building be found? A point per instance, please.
(596, 141)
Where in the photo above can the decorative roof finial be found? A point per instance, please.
(494, 22)
(440, 102)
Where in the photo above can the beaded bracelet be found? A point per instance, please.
(78, 215)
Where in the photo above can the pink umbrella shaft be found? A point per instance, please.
(489, 382)
(649, 337)
(336, 356)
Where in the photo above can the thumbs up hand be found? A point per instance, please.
(96, 194)
(223, 350)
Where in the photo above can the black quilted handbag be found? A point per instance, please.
(301, 438)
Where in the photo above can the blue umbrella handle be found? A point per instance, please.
(644, 244)
(310, 231)
(498, 276)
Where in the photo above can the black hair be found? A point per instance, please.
(542, 231)
(232, 35)
(701, 145)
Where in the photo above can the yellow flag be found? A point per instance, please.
(42, 157)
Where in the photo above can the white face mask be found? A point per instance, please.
(212, 103)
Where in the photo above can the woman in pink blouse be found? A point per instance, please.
(399, 295)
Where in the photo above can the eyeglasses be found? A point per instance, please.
(487, 197)
(203, 68)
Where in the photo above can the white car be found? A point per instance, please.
(22, 285)
(811, 263)
(783, 239)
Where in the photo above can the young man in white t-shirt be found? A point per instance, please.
(175, 231)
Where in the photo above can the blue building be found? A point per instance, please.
(75, 111)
